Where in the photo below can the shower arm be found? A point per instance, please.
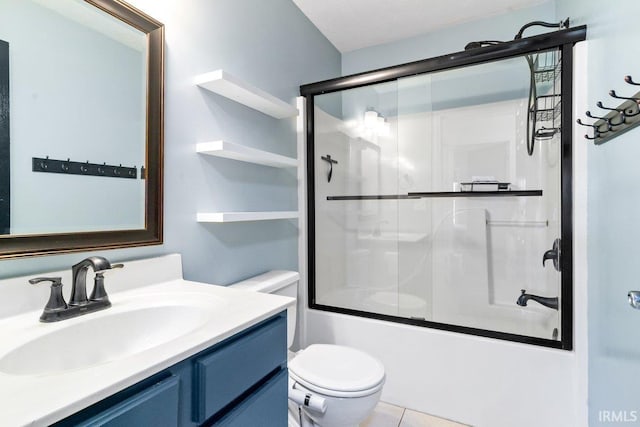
(562, 24)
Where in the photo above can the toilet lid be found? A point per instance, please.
(338, 368)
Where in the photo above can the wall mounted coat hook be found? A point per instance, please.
(71, 167)
(596, 129)
(331, 162)
(605, 121)
(600, 105)
(629, 80)
(635, 100)
(591, 116)
(612, 93)
(586, 124)
(621, 111)
(618, 120)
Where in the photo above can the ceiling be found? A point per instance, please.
(354, 24)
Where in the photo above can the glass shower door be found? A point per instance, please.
(437, 196)
(356, 211)
(460, 133)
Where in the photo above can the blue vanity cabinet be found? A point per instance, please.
(241, 381)
(157, 406)
(261, 408)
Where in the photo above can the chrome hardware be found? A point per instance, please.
(634, 299)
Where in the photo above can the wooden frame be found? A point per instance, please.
(151, 234)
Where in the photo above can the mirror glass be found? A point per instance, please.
(77, 92)
(80, 126)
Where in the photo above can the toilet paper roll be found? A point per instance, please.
(308, 400)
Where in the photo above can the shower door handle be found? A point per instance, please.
(553, 254)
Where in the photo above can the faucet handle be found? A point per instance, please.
(55, 281)
(553, 254)
(112, 266)
(56, 300)
(99, 293)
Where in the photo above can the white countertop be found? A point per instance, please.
(39, 400)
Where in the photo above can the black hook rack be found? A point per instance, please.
(618, 120)
(70, 167)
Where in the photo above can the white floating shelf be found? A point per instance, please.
(245, 216)
(239, 152)
(231, 87)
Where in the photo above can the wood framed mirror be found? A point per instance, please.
(81, 127)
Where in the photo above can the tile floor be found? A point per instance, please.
(386, 415)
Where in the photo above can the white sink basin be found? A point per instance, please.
(157, 320)
(130, 327)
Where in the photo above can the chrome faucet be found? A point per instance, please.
(57, 309)
(551, 302)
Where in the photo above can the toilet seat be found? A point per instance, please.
(337, 371)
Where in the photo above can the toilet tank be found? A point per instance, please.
(278, 282)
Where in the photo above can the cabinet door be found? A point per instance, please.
(155, 406)
(226, 374)
(267, 407)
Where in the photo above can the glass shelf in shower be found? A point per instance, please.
(442, 194)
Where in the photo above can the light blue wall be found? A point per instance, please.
(613, 50)
(452, 39)
(270, 44)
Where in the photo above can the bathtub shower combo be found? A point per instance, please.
(440, 191)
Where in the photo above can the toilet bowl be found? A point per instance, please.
(329, 385)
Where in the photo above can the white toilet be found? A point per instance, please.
(329, 385)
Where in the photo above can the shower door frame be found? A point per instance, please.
(563, 40)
